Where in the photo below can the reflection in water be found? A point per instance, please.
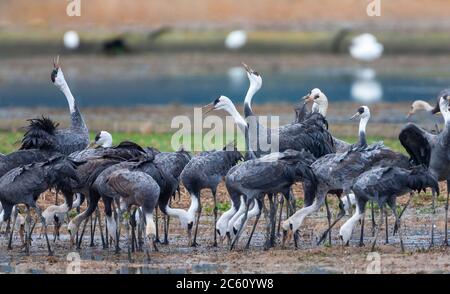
(366, 89)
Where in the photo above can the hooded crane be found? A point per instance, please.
(205, 171)
(384, 185)
(320, 106)
(310, 127)
(339, 172)
(88, 173)
(76, 137)
(311, 135)
(165, 169)
(139, 189)
(100, 189)
(420, 105)
(102, 140)
(432, 151)
(270, 174)
(171, 164)
(23, 185)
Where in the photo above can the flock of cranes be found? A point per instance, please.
(139, 180)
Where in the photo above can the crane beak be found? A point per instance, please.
(56, 62)
(409, 115)
(356, 115)
(208, 108)
(307, 98)
(93, 145)
(247, 68)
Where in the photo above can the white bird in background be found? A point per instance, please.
(236, 40)
(366, 48)
(71, 40)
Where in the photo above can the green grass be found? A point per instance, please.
(10, 141)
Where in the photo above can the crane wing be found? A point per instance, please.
(415, 141)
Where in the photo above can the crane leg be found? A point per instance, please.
(129, 239)
(93, 228)
(119, 224)
(215, 217)
(241, 228)
(274, 222)
(199, 211)
(157, 225)
(361, 237)
(374, 224)
(377, 230)
(166, 226)
(267, 244)
(44, 225)
(392, 204)
(279, 217)
(446, 216)
(139, 237)
(27, 231)
(82, 234)
(247, 246)
(100, 228)
(433, 215)
(387, 226)
(329, 220)
(133, 231)
(338, 218)
(411, 194)
(16, 211)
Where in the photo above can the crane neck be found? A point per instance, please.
(428, 107)
(193, 208)
(237, 117)
(75, 115)
(362, 130)
(70, 99)
(248, 100)
(321, 108)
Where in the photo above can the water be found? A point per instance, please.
(340, 84)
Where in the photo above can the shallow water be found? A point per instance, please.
(141, 84)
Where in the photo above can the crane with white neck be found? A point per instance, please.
(76, 137)
(338, 171)
(432, 151)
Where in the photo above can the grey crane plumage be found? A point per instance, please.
(432, 151)
(270, 174)
(88, 173)
(320, 106)
(100, 189)
(136, 188)
(172, 164)
(23, 185)
(383, 185)
(76, 137)
(205, 172)
(339, 171)
(38, 145)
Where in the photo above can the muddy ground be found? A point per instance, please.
(177, 257)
